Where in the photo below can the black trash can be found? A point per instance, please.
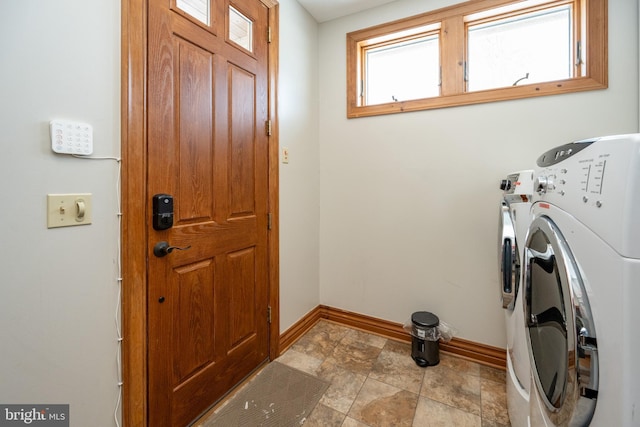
(425, 347)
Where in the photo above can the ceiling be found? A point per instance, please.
(326, 10)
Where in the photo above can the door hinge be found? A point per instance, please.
(269, 217)
(268, 127)
(269, 35)
(269, 313)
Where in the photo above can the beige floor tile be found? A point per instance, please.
(356, 337)
(350, 422)
(494, 402)
(356, 356)
(452, 388)
(345, 386)
(323, 416)
(300, 361)
(459, 365)
(394, 366)
(489, 423)
(320, 341)
(382, 405)
(430, 413)
(493, 374)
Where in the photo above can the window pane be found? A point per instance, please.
(240, 29)
(403, 71)
(530, 48)
(199, 9)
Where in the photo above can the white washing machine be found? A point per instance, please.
(514, 222)
(582, 285)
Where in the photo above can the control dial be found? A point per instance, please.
(505, 185)
(544, 183)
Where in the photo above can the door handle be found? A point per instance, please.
(163, 248)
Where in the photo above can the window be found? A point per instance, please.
(412, 64)
(475, 52)
(531, 48)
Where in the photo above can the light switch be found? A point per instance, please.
(285, 155)
(66, 210)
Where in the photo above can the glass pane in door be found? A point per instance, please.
(240, 29)
(199, 9)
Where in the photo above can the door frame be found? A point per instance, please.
(134, 199)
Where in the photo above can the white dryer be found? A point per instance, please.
(582, 285)
(515, 213)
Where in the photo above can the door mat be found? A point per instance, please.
(278, 396)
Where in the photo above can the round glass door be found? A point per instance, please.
(563, 359)
(546, 317)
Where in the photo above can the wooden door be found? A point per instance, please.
(207, 107)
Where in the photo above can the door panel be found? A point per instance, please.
(207, 300)
(195, 123)
(194, 295)
(243, 150)
(242, 266)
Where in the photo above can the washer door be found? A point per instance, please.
(509, 258)
(561, 334)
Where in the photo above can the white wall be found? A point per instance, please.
(300, 178)
(59, 293)
(58, 288)
(409, 202)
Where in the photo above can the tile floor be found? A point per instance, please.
(374, 382)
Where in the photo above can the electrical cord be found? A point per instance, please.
(117, 316)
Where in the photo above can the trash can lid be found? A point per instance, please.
(425, 319)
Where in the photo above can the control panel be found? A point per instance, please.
(162, 211)
(586, 178)
(68, 137)
(518, 186)
(599, 186)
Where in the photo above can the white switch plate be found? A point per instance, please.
(69, 137)
(66, 210)
(285, 155)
